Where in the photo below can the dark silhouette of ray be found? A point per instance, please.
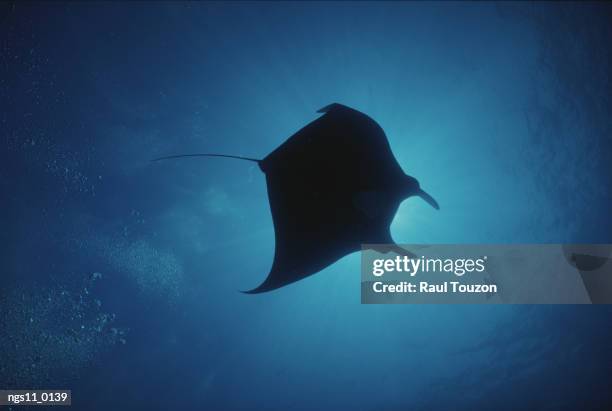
(332, 186)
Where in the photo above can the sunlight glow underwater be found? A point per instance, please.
(450, 85)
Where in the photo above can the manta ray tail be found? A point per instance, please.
(206, 155)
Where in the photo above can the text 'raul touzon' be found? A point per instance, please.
(412, 266)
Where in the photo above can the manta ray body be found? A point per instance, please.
(332, 186)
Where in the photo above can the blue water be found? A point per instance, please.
(121, 276)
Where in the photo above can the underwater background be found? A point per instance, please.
(121, 277)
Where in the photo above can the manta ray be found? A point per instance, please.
(333, 186)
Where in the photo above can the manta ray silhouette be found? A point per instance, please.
(332, 186)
